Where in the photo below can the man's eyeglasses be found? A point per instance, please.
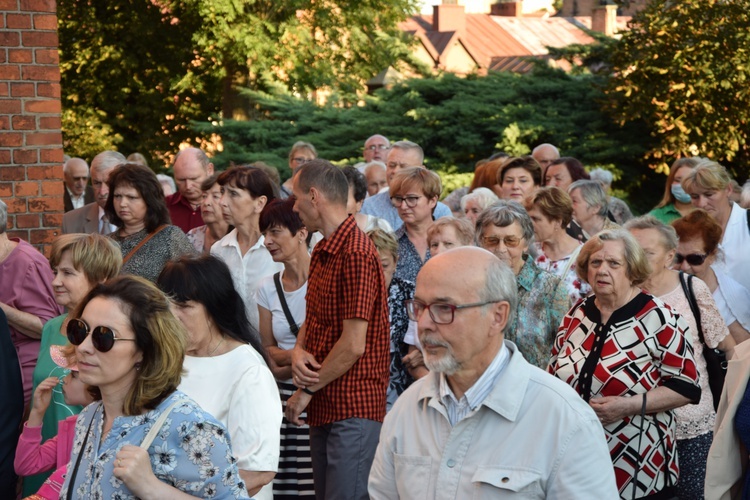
(694, 259)
(103, 337)
(493, 241)
(301, 160)
(441, 314)
(376, 147)
(411, 201)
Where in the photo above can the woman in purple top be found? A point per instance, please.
(26, 297)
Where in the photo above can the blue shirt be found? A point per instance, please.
(191, 453)
(380, 206)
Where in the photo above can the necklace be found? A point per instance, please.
(221, 341)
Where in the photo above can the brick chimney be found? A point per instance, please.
(449, 17)
(604, 19)
(507, 9)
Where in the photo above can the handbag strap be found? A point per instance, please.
(280, 291)
(143, 242)
(156, 428)
(571, 260)
(72, 482)
(688, 290)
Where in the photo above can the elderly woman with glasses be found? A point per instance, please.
(626, 353)
(505, 229)
(414, 193)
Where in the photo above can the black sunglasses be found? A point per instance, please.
(694, 259)
(103, 337)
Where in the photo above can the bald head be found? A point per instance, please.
(191, 168)
(76, 173)
(545, 154)
(376, 148)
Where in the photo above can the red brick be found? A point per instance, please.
(47, 56)
(10, 106)
(22, 89)
(10, 73)
(26, 156)
(42, 173)
(44, 139)
(3, 55)
(39, 38)
(51, 156)
(27, 188)
(27, 221)
(4, 89)
(21, 234)
(4, 157)
(9, 39)
(9, 5)
(16, 205)
(43, 106)
(52, 220)
(21, 122)
(45, 204)
(4, 122)
(11, 140)
(38, 6)
(38, 236)
(48, 90)
(21, 56)
(42, 73)
(45, 22)
(6, 189)
(12, 174)
(52, 188)
(18, 21)
(50, 122)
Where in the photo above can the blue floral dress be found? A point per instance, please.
(191, 453)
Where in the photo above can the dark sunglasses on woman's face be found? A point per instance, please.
(103, 337)
(694, 259)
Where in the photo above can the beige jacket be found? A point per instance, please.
(727, 459)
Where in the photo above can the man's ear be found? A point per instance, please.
(501, 314)
(210, 169)
(314, 195)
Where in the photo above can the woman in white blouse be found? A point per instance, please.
(225, 368)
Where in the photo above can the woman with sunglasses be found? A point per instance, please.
(141, 438)
(79, 262)
(694, 422)
(506, 230)
(225, 368)
(697, 251)
(414, 192)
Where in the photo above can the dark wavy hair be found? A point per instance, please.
(357, 180)
(252, 179)
(575, 169)
(207, 280)
(143, 180)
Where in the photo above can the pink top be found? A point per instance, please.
(33, 457)
(696, 420)
(26, 279)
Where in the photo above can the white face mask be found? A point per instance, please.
(680, 193)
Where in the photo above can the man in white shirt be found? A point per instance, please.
(484, 423)
(77, 191)
(90, 218)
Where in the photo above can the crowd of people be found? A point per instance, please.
(347, 334)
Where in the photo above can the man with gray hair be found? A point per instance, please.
(375, 176)
(77, 191)
(484, 421)
(403, 154)
(90, 218)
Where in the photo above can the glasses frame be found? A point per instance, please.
(376, 147)
(679, 258)
(414, 316)
(97, 333)
(398, 201)
(515, 242)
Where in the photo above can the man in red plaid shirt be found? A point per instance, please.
(341, 359)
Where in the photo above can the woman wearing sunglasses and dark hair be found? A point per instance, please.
(130, 349)
(225, 367)
(695, 422)
(697, 250)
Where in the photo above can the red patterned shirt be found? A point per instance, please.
(346, 282)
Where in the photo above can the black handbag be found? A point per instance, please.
(716, 359)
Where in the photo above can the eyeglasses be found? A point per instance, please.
(694, 259)
(411, 201)
(103, 337)
(300, 159)
(493, 241)
(441, 314)
(376, 147)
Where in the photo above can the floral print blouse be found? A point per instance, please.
(542, 303)
(191, 453)
(577, 288)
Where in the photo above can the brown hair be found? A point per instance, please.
(554, 203)
(668, 197)
(464, 230)
(527, 163)
(96, 256)
(426, 181)
(699, 224)
(638, 268)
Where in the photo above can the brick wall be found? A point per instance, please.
(30, 138)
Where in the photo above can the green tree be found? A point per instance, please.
(683, 70)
